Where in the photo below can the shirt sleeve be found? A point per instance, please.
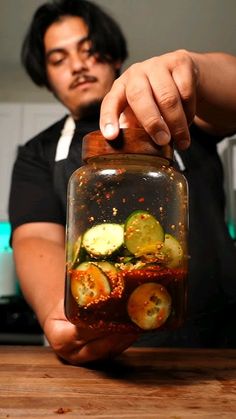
(32, 194)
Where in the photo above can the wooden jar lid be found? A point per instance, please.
(129, 141)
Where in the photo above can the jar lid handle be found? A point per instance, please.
(129, 141)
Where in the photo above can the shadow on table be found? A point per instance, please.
(166, 366)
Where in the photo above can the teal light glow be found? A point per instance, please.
(232, 229)
(5, 232)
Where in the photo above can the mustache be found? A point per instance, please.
(82, 78)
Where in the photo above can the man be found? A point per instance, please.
(76, 51)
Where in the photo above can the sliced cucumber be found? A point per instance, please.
(143, 234)
(173, 251)
(115, 278)
(78, 253)
(103, 239)
(89, 283)
(107, 267)
(149, 306)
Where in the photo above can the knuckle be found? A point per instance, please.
(117, 86)
(168, 101)
(182, 55)
(180, 132)
(116, 83)
(153, 123)
(186, 91)
(134, 93)
(182, 59)
(134, 68)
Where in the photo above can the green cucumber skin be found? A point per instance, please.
(129, 249)
(136, 238)
(106, 267)
(174, 248)
(97, 247)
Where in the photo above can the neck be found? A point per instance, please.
(88, 112)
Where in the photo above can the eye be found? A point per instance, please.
(86, 52)
(57, 62)
(86, 48)
(56, 59)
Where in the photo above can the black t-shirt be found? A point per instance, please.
(39, 184)
(38, 193)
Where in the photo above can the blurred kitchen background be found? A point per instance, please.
(152, 27)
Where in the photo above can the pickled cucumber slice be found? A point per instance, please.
(106, 267)
(76, 250)
(103, 239)
(78, 253)
(116, 280)
(89, 283)
(149, 306)
(173, 251)
(143, 234)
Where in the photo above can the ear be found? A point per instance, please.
(117, 68)
(117, 65)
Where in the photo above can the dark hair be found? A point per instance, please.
(105, 34)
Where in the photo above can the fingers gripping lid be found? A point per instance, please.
(129, 141)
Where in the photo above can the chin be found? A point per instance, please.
(90, 109)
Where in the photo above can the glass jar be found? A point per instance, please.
(127, 222)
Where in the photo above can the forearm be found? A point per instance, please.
(40, 265)
(216, 97)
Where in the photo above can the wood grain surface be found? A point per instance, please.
(142, 383)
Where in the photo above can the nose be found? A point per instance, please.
(78, 62)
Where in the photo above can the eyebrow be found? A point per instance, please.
(62, 49)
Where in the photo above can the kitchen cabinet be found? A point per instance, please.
(19, 122)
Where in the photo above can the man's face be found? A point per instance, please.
(76, 78)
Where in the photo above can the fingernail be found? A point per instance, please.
(109, 130)
(161, 138)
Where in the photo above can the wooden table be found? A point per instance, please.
(142, 383)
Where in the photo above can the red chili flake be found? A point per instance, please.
(141, 199)
(108, 195)
(120, 171)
